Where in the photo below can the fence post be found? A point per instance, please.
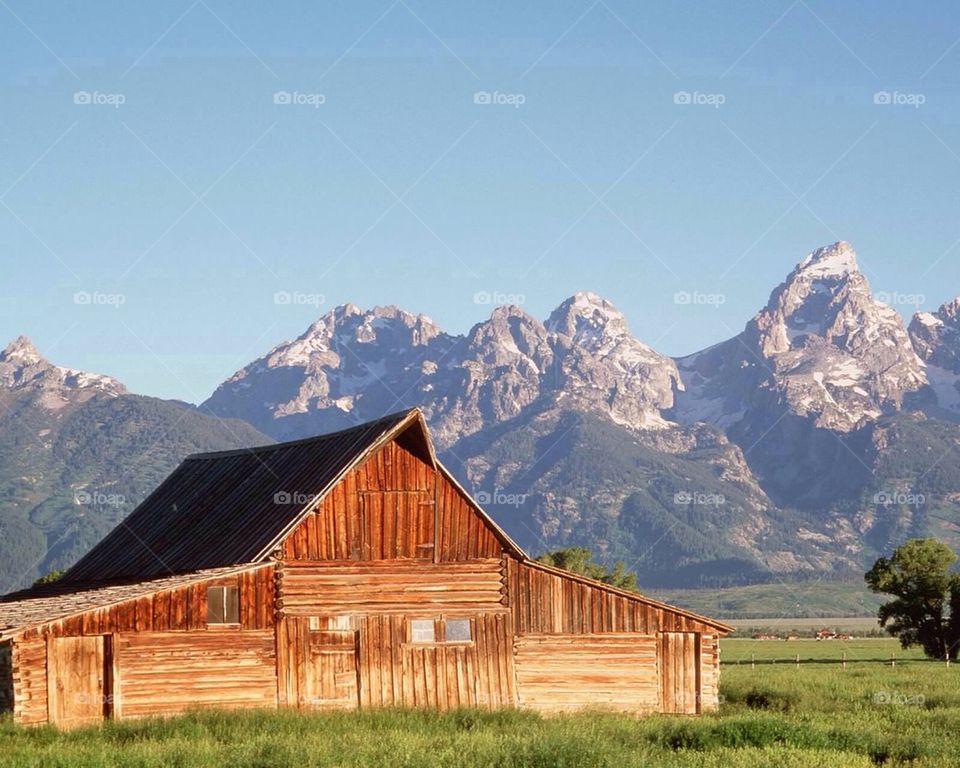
(893, 659)
(798, 661)
(753, 661)
(843, 660)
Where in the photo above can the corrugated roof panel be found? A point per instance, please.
(222, 508)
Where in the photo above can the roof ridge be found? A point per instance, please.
(397, 416)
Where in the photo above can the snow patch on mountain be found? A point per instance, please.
(823, 348)
(24, 369)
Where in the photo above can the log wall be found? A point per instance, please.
(168, 672)
(30, 681)
(393, 506)
(709, 673)
(557, 673)
(317, 589)
(6, 677)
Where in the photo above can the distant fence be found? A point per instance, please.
(797, 661)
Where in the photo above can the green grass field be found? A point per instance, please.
(858, 626)
(811, 600)
(773, 714)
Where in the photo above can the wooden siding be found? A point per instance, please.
(180, 609)
(169, 672)
(394, 672)
(395, 505)
(317, 589)
(545, 602)
(709, 673)
(30, 681)
(464, 534)
(556, 673)
(678, 657)
(6, 677)
(391, 671)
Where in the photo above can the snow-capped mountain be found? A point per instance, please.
(354, 364)
(763, 453)
(25, 371)
(824, 349)
(936, 338)
(78, 452)
(810, 442)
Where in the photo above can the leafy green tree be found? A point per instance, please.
(48, 578)
(925, 610)
(580, 560)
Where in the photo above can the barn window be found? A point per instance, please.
(223, 605)
(457, 631)
(422, 631)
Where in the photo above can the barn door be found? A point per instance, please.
(78, 689)
(679, 662)
(332, 669)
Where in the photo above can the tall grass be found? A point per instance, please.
(776, 716)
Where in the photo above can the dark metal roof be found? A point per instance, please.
(231, 507)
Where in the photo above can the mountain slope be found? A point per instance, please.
(936, 338)
(78, 453)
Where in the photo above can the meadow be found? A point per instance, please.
(773, 714)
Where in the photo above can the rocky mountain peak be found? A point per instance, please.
(21, 350)
(831, 261)
(936, 338)
(23, 368)
(824, 348)
(354, 363)
(587, 319)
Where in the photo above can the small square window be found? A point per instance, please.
(341, 622)
(422, 631)
(223, 605)
(457, 631)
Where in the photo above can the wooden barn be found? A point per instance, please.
(346, 570)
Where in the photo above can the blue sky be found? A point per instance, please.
(183, 198)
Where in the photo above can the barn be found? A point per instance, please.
(341, 571)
